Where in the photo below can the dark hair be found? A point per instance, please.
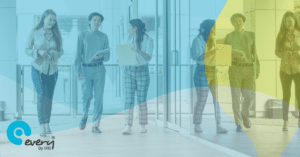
(282, 32)
(140, 32)
(54, 29)
(205, 29)
(95, 14)
(237, 15)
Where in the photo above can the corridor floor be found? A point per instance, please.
(69, 141)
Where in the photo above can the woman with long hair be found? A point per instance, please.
(205, 78)
(44, 45)
(136, 77)
(288, 49)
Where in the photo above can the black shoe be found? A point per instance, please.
(96, 130)
(246, 122)
(82, 127)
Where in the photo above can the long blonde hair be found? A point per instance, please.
(54, 29)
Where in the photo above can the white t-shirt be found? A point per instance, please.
(146, 46)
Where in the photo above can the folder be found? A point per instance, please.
(99, 52)
(222, 56)
(125, 55)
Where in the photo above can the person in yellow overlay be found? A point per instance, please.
(288, 49)
(204, 52)
(245, 68)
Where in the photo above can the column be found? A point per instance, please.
(8, 56)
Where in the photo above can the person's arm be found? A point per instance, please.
(211, 52)
(197, 52)
(257, 69)
(78, 57)
(106, 56)
(29, 47)
(149, 50)
(56, 54)
(278, 52)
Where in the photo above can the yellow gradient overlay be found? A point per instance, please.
(263, 17)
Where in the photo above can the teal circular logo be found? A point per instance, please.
(17, 126)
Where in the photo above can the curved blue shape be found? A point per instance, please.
(16, 125)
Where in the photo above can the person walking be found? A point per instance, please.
(44, 45)
(90, 70)
(244, 71)
(288, 50)
(136, 77)
(205, 77)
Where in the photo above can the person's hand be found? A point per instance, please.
(135, 49)
(240, 57)
(79, 77)
(296, 53)
(99, 56)
(42, 53)
(288, 51)
(50, 54)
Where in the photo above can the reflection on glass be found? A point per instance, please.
(205, 78)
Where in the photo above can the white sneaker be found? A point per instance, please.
(198, 128)
(143, 129)
(127, 130)
(220, 129)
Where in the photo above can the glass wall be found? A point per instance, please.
(147, 13)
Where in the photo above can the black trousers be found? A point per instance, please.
(286, 82)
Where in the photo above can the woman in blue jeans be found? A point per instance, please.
(44, 45)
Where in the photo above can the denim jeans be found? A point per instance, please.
(44, 86)
(93, 80)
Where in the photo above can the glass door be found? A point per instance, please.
(174, 60)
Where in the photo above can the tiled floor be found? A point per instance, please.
(71, 142)
(264, 138)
